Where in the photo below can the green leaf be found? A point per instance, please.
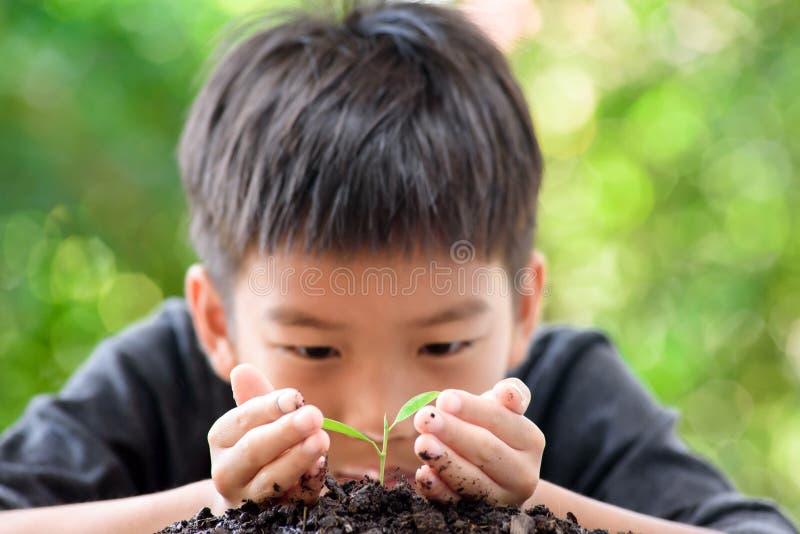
(341, 428)
(413, 405)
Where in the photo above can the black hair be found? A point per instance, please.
(393, 126)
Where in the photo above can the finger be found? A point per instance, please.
(461, 476)
(234, 467)
(248, 382)
(276, 478)
(308, 488)
(511, 468)
(512, 428)
(513, 393)
(430, 486)
(235, 423)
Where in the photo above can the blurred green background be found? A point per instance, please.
(669, 214)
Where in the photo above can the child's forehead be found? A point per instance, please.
(461, 253)
(450, 283)
(403, 314)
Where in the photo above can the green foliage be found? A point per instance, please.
(411, 407)
(668, 214)
(407, 410)
(341, 428)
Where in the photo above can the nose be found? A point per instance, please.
(374, 436)
(365, 410)
(369, 399)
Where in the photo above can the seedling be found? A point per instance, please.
(408, 409)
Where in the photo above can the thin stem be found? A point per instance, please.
(382, 454)
(376, 447)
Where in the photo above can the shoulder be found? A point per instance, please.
(132, 419)
(555, 348)
(166, 328)
(155, 376)
(571, 370)
(159, 353)
(162, 338)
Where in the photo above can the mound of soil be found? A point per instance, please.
(366, 506)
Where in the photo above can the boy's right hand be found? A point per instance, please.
(270, 446)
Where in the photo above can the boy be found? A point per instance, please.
(363, 199)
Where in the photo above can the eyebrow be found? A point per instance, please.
(463, 310)
(289, 316)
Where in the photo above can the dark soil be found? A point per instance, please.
(366, 506)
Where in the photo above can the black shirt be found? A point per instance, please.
(134, 419)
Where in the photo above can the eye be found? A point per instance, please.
(444, 349)
(313, 352)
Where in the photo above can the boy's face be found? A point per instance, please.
(359, 339)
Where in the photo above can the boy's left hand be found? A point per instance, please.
(479, 446)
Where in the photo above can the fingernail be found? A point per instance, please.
(450, 402)
(318, 465)
(432, 421)
(522, 396)
(426, 482)
(290, 401)
(432, 450)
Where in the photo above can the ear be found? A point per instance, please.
(208, 315)
(529, 284)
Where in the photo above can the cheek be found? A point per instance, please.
(311, 379)
(476, 374)
(490, 364)
(250, 349)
